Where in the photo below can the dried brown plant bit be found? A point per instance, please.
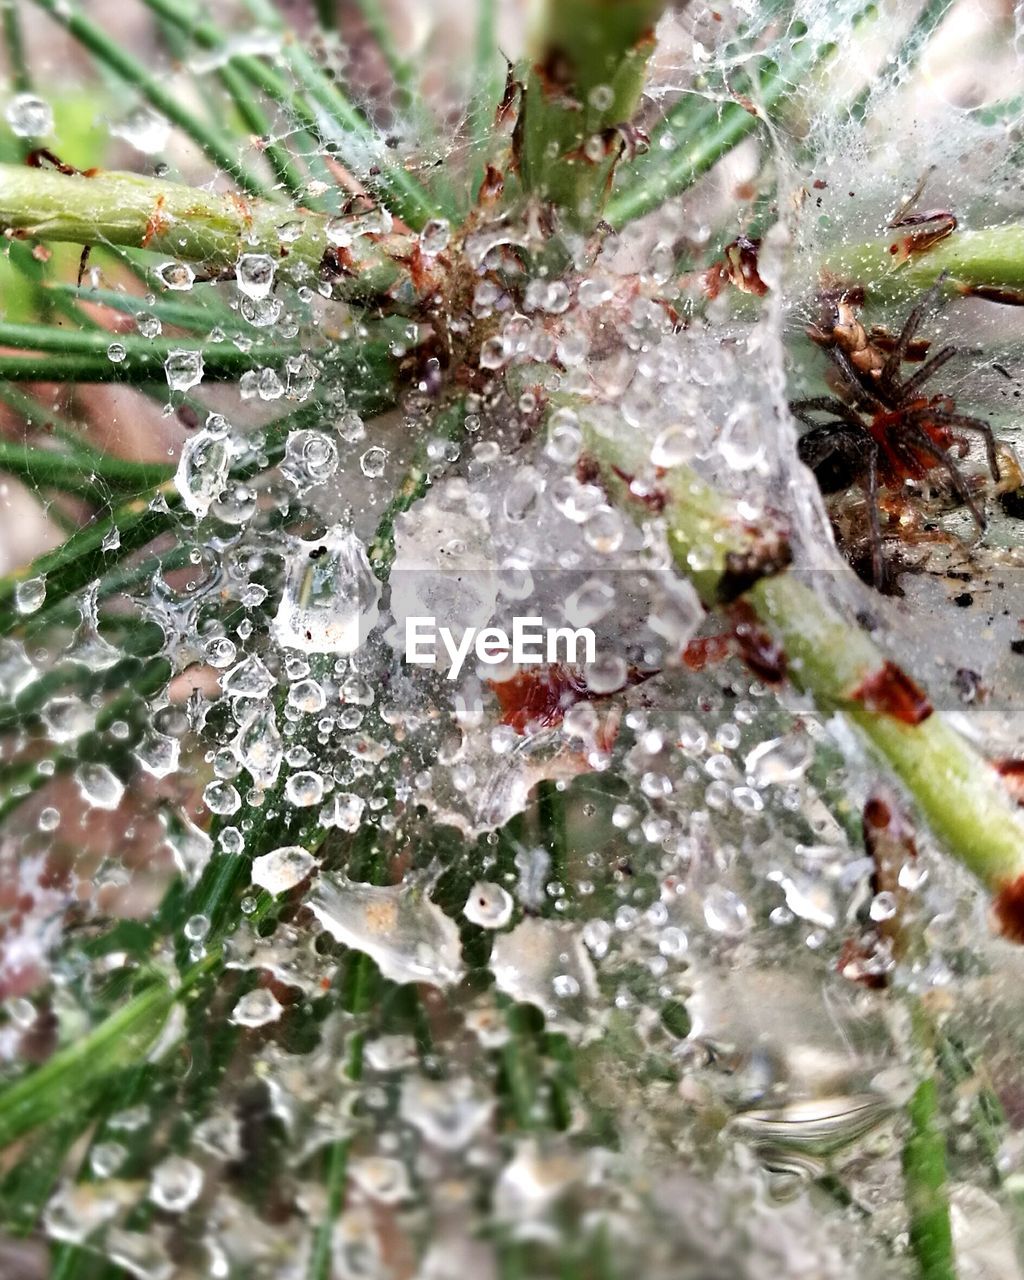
(745, 639)
(1008, 909)
(757, 647)
(993, 293)
(889, 838)
(1011, 770)
(491, 188)
(43, 157)
(767, 555)
(889, 691)
(655, 500)
(935, 225)
(540, 698)
(861, 961)
(739, 266)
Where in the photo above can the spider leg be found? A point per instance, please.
(863, 394)
(802, 410)
(967, 424)
(889, 377)
(921, 440)
(931, 366)
(878, 568)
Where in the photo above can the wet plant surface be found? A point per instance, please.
(697, 955)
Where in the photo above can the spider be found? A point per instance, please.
(884, 430)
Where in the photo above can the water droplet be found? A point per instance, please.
(258, 746)
(307, 696)
(741, 443)
(220, 652)
(257, 1009)
(184, 369)
(254, 274)
(304, 789)
(373, 460)
(488, 905)
(409, 938)
(144, 129)
(176, 1184)
(66, 718)
(330, 599)
(725, 912)
(49, 819)
(310, 459)
(203, 470)
(343, 811)
(29, 116)
(448, 1113)
(106, 1158)
(99, 785)
(30, 594)
(283, 869)
(604, 530)
(607, 674)
(435, 236)
(249, 679)
(222, 798)
(884, 906)
(141, 1254)
(178, 276)
(779, 760)
(382, 1179)
(544, 963)
(675, 446)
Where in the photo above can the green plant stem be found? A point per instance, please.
(485, 90)
(69, 1077)
(359, 144)
(256, 121)
(991, 258)
(604, 46)
(14, 45)
(207, 230)
(924, 1169)
(712, 133)
(76, 562)
(901, 62)
(149, 353)
(73, 474)
(206, 313)
(220, 148)
(400, 68)
(955, 789)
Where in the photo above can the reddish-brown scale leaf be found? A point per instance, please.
(654, 501)
(761, 652)
(540, 698)
(706, 651)
(1008, 908)
(1012, 773)
(891, 692)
